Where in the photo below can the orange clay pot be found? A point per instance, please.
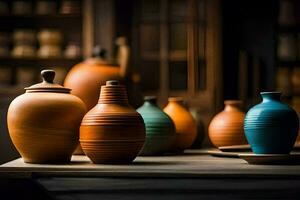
(112, 132)
(185, 124)
(44, 122)
(85, 79)
(227, 127)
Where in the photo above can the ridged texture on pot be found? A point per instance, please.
(185, 124)
(44, 126)
(271, 127)
(227, 127)
(160, 130)
(112, 132)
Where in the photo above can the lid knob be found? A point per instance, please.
(112, 82)
(48, 75)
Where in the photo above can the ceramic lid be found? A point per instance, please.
(47, 85)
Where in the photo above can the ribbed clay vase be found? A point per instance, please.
(227, 127)
(160, 130)
(185, 124)
(112, 131)
(271, 127)
(44, 122)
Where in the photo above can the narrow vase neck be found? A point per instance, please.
(231, 105)
(270, 96)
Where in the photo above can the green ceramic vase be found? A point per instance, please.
(160, 129)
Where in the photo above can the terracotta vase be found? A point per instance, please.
(185, 124)
(227, 127)
(112, 132)
(160, 129)
(44, 122)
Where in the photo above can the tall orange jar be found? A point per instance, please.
(185, 124)
(112, 131)
(227, 127)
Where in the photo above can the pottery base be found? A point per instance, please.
(62, 160)
(272, 159)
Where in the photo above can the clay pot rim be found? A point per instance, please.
(175, 99)
(274, 92)
(233, 102)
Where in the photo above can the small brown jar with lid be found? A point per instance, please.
(44, 122)
(112, 131)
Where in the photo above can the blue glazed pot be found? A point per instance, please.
(271, 127)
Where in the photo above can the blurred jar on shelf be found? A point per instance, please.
(49, 51)
(21, 7)
(5, 75)
(4, 9)
(46, 7)
(50, 37)
(26, 76)
(287, 47)
(50, 41)
(72, 50)
(286, 16)
(70, 7)
(283, 81)
(296, 80)
(23, 51)
(24, 37)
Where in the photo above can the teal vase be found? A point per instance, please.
(160, 130)
(271, 127)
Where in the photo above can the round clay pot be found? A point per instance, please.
(160, 129)
(112, 132)
(185, 124)
(44, 122)
(227, 127)
(85, 79)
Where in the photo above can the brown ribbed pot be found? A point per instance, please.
(44, 122)
(185, 124)
(227, 127)
(112, 131)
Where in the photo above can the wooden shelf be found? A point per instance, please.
(39, 62)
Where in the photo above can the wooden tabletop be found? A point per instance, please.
(193, 163)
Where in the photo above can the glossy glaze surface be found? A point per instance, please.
(44, 122)
(185, 124)
(112, 132)
(227, 127)
(271, 127)
(160, 129)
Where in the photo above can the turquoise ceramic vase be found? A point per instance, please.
(271, 127)
(160, 130)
